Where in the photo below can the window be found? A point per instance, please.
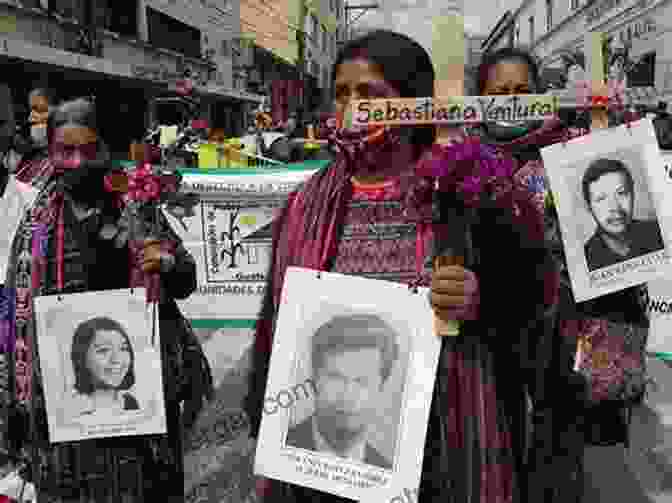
(643, 73)
(169, 33)
(549, 15)
(531, 21)
(315, 32)
(225, 50)
(123, 17)
(69, 9)
(575, 4)
(315, 69)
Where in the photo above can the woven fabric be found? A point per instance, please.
(127, 469)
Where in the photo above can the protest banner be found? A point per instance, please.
(229, 223)
(228, 232)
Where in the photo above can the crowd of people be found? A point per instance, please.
(510, 416)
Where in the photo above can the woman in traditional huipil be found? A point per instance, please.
(369, 214)
(72, 240)
(568, 410)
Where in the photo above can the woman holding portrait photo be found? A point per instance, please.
(75, 240)
(370, 214)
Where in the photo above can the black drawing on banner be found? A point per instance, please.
(231, 240)
(237, 241)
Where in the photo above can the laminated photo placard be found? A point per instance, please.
(101, 365)
(349, 387)
(615, 207)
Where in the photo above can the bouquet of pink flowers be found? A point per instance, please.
(142, 191)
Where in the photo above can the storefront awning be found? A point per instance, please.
(222, 92)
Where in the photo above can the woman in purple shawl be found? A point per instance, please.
(369, 214)
(568, 410)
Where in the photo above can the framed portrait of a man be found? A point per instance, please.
(349, 387)
(101, 369)
(611, 205)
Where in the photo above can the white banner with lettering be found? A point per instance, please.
(228, 232)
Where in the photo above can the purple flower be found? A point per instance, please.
(472, 186)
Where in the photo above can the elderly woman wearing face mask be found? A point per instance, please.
(561, 421)
(71, 241)
(32, 152)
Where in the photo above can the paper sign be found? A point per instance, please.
(318, 352)
(228, 232)
(614, 207)
(453, 110)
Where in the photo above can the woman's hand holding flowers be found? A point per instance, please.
(154, 259)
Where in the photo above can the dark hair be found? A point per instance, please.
(343, 333)
(44, 92)
(601, 167)
(404, 64)
(619, 54)
(505, 55)
(80, 112)
(574, 58)
(84, 335)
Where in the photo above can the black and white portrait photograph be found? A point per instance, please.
(607, 192)
(101, 368)
(349, 387)
(353, 358)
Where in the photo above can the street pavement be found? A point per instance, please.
(643, 472)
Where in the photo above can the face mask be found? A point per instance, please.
(364, 146)
(507, 131)
(39, 135)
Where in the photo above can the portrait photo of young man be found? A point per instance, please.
(609, 192)
(352, 358)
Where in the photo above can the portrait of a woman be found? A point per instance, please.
(103, 366)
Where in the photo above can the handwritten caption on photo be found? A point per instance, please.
(455, 110)
(614, 273)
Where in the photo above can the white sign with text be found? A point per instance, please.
(350, 386)
(228, 232)
(614, 205)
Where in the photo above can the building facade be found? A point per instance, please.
(98, 47)
(638, 33)
(295, 44)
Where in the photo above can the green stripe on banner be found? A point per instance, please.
(205, 323)
(298, 166)
(663, 356)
